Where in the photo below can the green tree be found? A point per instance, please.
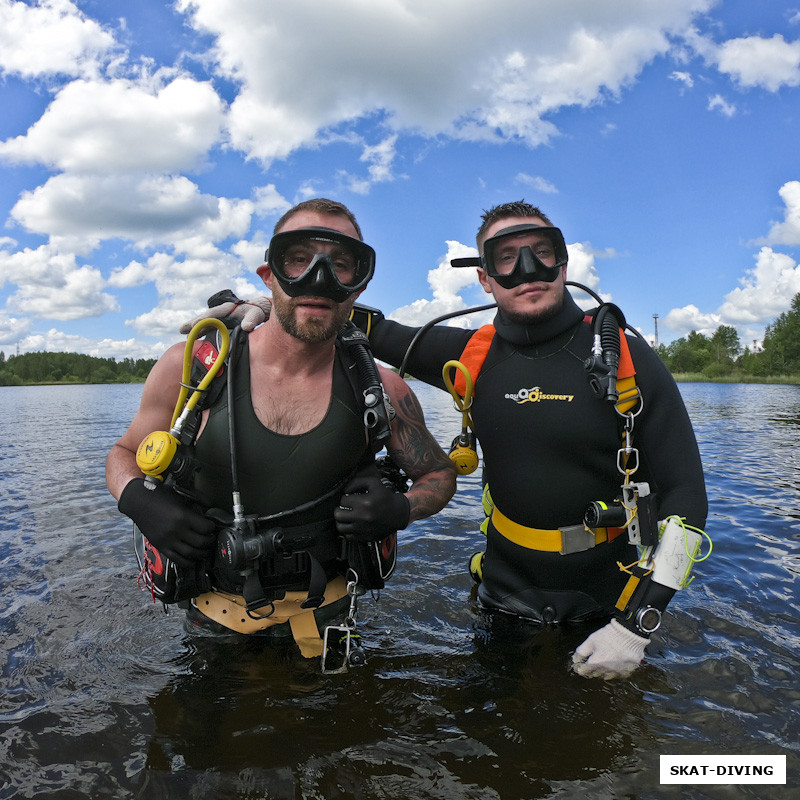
(751, 363)
(690, 354)
(782, 342)
(725, 345)
(43, 367)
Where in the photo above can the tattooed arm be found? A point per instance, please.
(416, 451)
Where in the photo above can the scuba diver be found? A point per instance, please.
(594, 492)
(271, 514)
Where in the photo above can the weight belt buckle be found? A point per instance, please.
(576, 539)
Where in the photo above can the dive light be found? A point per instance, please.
(600, 514)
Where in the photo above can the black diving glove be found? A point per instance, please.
(370, 511)
(168, 522)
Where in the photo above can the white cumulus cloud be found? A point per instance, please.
(145, 209)
(404, 61)
(719, 103)
(50, 37)
(76, 294)
(447, 285)
(536, 182)
(763, 294)
(122, 126)
(788, 231)
(757, 61)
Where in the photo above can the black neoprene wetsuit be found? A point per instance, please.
(550, 448)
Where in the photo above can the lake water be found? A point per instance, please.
(103, 695)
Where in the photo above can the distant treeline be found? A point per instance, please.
(720, 356)
(723, 356)
(71, 368)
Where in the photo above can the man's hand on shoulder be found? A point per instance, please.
(251, 313)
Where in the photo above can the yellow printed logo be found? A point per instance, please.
(536, 395)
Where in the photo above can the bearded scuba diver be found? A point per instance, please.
(287, 556)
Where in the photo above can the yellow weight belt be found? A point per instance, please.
(570, 539)
(229, 610)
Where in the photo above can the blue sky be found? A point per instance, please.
(147, 149)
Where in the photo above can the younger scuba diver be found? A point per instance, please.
(281, 535)
(594, 501)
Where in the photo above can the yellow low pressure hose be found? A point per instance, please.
(183, 407)
(158, 453)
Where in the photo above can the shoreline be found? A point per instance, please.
(680, 377)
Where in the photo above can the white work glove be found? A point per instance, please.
(251, 313)
(610, 652)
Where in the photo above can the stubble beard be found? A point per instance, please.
(312, 331)
(536, 315)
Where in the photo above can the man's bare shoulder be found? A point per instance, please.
(392, 382)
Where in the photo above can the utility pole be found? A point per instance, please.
(655, 325)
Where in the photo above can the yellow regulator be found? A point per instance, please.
(463, 453)
(156, 453)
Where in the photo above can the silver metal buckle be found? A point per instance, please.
(346, 633)
(576, 539)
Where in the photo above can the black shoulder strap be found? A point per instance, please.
(203, 359)
(362, 372)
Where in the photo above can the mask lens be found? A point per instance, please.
(300, 256)
(502, 252)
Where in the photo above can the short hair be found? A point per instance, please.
(321, 206)
(517, 208)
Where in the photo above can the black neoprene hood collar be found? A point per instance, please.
(569, 315)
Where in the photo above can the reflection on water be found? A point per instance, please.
(103, 695)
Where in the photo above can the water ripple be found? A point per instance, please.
(103, 695)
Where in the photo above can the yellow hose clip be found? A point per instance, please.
(463, 451)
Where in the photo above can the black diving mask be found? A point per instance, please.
(320, 262)
(524, 254)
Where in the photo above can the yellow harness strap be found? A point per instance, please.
(229, 610)
(306, 634)
(560, 540)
